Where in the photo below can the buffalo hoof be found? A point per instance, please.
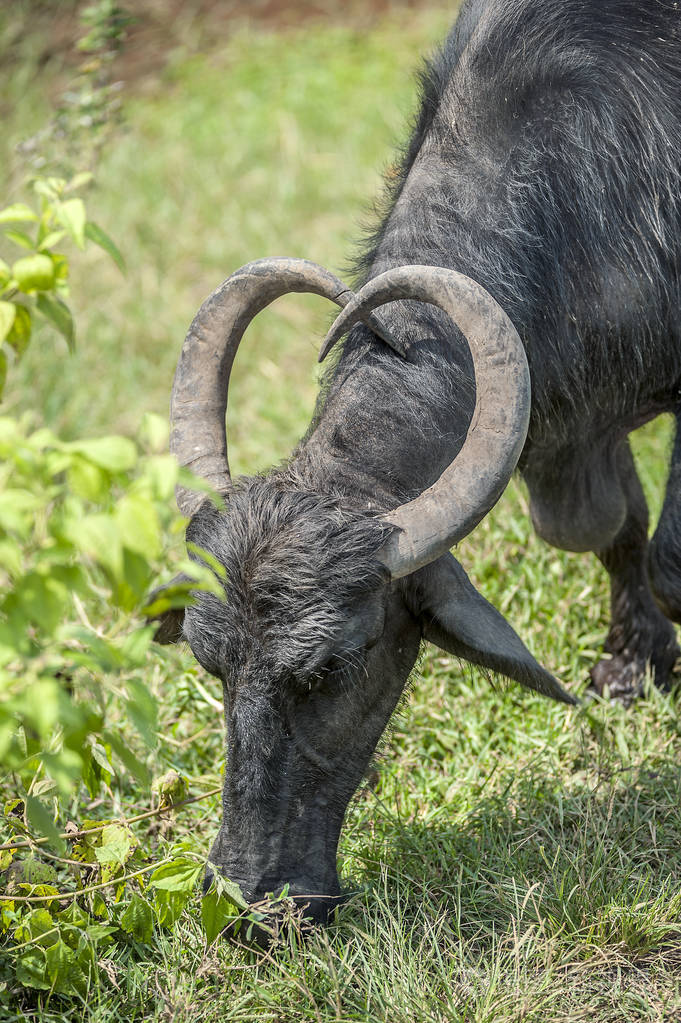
(618, 678)
(621, 679)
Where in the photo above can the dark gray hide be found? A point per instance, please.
(543, 166)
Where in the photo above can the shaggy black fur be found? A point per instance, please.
(543, 163)
(297, 563)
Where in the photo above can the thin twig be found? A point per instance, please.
(63, 859)
(59, 897)
(32, 941)
(201, 689)
(100, 827)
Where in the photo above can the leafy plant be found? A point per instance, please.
(81, 527)
(36, 283)
(84, 531)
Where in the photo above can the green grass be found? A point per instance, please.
(515, 859)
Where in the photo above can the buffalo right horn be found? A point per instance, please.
(470, 486)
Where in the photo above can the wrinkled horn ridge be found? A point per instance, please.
(470, 486)
(198, 401)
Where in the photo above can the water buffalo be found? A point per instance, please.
(527, 267)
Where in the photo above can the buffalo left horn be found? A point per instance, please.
(198, 402)
(470, 486)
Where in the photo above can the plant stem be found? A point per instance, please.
(84, 891)
(130, 820)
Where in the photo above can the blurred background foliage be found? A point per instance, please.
(246, 150)
(513, 859)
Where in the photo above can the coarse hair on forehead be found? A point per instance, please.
(295, 561)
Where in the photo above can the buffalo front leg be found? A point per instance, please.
(598, 504)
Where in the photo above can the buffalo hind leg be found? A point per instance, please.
(592, 500)
(640, 637)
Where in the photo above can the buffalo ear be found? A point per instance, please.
(455, 617)
(165, 605)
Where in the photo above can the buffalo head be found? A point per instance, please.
(329, 591)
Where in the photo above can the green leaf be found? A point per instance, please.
(101, 238)
(18, 509)
(154, 431)
(161, 471)
(34, 273)
(5, 274)
(50, 239)
(6, 857)
(41, 599)
(209, 559)
(20, 333)
(169, 906)
(138, 524)
(135, 646)
(42, 890)
(138, 919)
(100, 932)
(117, 454)
(99, 907)
(38, 927)
(131, 589)
(118, 845)
(20, 238)
(222, 902)
(90, 774)
(49, 188)
(180, 875)
(142, 710)
(32, 871)
(88, 481)
(8, 312)
(79, 181)
(125, 754)
(100, 654)
(229, 890)
(84, 849)
(72, 215)
(216, 914)
(74, 914)
(42, 821)
(11, 557)
(100, 756)
(97, 536)
(59, 315)
(68, 969)
(61, 268)
(31, 969)
(3, 373)
(17, 213)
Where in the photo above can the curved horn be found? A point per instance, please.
(199, 396)
(448, 510)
